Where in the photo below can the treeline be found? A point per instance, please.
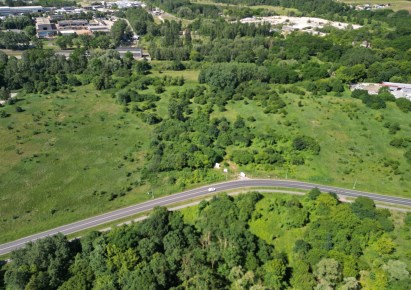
(12, 40)
(141, 21)
(17, 22)
(43, 71)
(298, 55)
(186, 9)
(222, 29)
(227, 245)
(44, 3)
(320, 7)
(230, 76)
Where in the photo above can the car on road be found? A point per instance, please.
(211, 189)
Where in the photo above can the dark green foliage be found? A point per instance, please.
(407, 219)
(4, 93)
(229, 76)
(185, 141)
(55, 3)
(12, 40)
(303, 45)
(371, 101)
(393, 127)
(364, 207)
(65, 41)
(17, 22)
(160, 252)
(314, 71)
(355, 56)
(400, 142)
(403, 104)
(150, 118)
(120, 32)
(313, 193)
(301, 247)
(159, 89)
(407, 155)
(303, 143)
(283, 75)
(50, 257)
(140, 20)
(242, 157)
(163, 252)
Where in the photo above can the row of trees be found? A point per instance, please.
(12, 40)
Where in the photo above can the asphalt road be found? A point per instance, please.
(190, 194)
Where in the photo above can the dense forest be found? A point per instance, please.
(230, 243)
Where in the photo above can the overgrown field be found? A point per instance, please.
(355, 145)
(68, 156)
(74, 154)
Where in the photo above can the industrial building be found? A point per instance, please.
(44, 28)
(136, 52)
(6, 10)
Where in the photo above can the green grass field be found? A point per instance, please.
(72, 155)
(64, 158)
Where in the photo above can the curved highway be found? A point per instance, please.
(190, 194)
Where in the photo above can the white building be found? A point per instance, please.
(6, 10)
(399, 90)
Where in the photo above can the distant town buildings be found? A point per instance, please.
(18, 10)
(306, 24)
(398, 90)
(136, 52)
(372, 6)
(125, 4)
(46, 29)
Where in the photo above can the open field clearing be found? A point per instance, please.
(67, 156)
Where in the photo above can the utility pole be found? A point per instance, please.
(355, 183)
